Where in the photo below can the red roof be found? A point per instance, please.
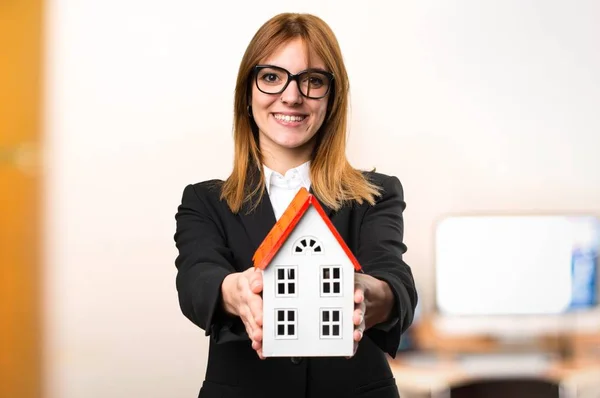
(286, 224)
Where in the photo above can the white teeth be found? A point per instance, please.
(288, 118)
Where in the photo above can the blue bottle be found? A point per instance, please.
(584, 264)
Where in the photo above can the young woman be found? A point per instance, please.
(290, 113)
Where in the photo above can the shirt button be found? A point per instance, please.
(296, 360)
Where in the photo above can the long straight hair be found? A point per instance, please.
(333, 180)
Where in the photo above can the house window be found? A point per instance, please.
(307, 244)
(286, 322)
(331, 323)
(331, 280)
(285, 281)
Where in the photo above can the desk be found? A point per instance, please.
(435, 376)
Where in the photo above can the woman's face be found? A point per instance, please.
(288, 121)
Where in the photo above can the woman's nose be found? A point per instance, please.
(291, 95)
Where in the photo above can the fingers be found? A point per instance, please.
(248, 319)
(360, 326)
(255, 281)
(255, 304)
(252, 316)
(359, 295)
(358, 335)
(360, 307)
(249, 289)
(257, 334)
(257, 345)
(257, 342)
(249, 329)
(358, 318)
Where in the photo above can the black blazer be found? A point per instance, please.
(213, 242)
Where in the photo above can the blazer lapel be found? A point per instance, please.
(259, 221)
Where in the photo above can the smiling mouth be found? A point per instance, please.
(289, 118)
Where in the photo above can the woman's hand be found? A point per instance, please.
(241, 297)
(373, 303)
(358, 318)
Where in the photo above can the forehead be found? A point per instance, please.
(295, 56)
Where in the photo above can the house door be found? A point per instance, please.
(20, 96)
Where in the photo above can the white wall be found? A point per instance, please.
(476, 106)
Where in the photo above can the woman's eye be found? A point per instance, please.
(316, 81)
(270, 77)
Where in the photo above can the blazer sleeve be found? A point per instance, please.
(203, 262)
(380, 254)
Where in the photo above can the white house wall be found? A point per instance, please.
(308, 300)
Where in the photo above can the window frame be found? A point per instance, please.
(331, 280)
(308, 248)
(331, 323)
(286, 281)
(286, 322)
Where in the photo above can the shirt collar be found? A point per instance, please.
(302, 172)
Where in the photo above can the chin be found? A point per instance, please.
(289, 140)
(292, 140)
(292, 145)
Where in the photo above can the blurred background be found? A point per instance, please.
(488, 112)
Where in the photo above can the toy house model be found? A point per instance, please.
(308, 284)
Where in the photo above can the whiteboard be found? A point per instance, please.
(503, 265)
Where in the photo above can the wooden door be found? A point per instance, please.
(20, 198)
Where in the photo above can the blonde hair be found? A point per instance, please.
(333, 180)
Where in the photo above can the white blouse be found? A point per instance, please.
(283, 188)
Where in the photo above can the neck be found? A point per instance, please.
(283, 160)
(283, 165)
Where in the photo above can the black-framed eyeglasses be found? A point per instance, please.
(312, 83)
